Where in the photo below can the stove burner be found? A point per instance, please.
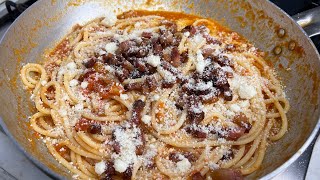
(14, 10)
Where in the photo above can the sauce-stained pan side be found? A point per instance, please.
(258, 21)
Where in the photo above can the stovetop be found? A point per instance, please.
(21, 168)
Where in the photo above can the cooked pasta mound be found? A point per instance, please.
(156, 95)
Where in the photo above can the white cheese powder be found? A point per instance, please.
(84, 84)
(153, 60)
(247, 91)
(100, 167)
(146, 119)
(111, 47)
(110, 20)
(124, 96)
(73, 82)
(235, 108)
(183, 165)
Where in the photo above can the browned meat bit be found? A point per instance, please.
(133, 87)
(229, 74)
(242, 120)
(127, 65)
(197, 176)
(171, 69)
(90, 62)
(86, 75)
(225, 174)
(146, 35)
(196, 132)
(227, 95)
(223, 61)
(140, 148)
(125, 46)
(219, 77)
(190, 156)
(128, 173)
(174, 156)
(230, 47)
(122, 74)
(194, 114)
(166, 38)
(151, 82)
(210, 98)
(94, 128)
(157, 49)
(234, 133)
(170, 26)
(109, 59)
(116, 147)
(166, 57)
(228, 155)
(207, 52)
(167, 84)
(137, 108)
(109, 172)
(175, 57)
(202, 29)
(140, 65)
(191, 29)
(184, 57)
(211, 40)
(151, 69)
(142, 52)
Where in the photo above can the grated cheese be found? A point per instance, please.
(100, 167)
(128, 142)
(73, 82)
(153, 60)
(146, 119)
(84, 84)
(247, 91)
(124, 96)
(235, 108)
(183, 165)
(72, 66)
(78, 107)
(111, 47)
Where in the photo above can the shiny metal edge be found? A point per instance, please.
(312, 136)
(33, 160)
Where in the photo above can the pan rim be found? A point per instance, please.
(315, 130)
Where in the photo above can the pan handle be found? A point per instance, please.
(309, 20)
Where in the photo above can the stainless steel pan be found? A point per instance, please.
(287, 46)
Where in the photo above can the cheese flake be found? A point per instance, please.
(235, 108)
(120, 165)
(124, 96)
(183, 165)
(146, 119)
(111, 47)
(110, 20)
(73, 82)
(100, 167)
(72, 66)
(153, 60)
(247, 91)
(84, 84)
